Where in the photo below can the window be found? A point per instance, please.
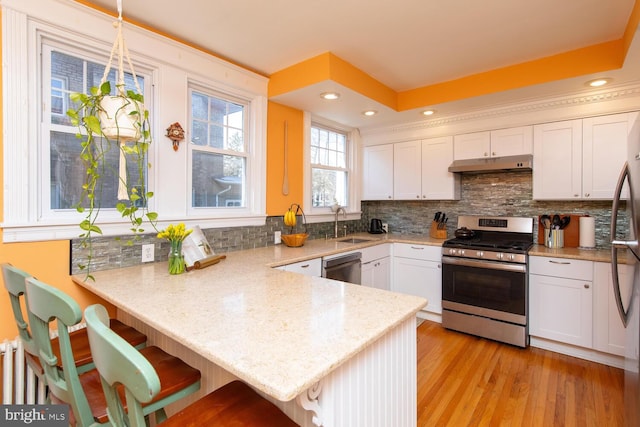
(69, 72)
(218, 151)
(329, 167)
(41, 168)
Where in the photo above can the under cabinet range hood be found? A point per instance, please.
(493, 164)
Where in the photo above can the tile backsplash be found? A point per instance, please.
(500, 194)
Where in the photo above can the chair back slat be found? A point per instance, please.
(14, 282)
(120, 363)
(46, 304)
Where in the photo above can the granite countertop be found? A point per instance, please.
(320, 247)
(279, 331)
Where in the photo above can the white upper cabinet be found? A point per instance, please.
(604, 151)
(512, 141)
(472, 145)
(377, 172)
(580, 159)
(412, 170)
(437, 182)
(495, 143)
(407, 170)
(557, 160)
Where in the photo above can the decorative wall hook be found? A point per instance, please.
(175, 134)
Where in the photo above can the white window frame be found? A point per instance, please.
(246, 154)
(353, 153)
(172, 66)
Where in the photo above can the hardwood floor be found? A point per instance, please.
(469, 381)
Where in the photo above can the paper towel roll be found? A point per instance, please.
(587, 232)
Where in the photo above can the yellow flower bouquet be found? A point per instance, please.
(175, 235)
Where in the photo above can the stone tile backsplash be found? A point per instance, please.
(500, 194)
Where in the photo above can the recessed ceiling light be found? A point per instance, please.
(428, 112)
(598, 82)
(330, 95)
(370, 113)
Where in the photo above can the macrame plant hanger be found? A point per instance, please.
(120, 47)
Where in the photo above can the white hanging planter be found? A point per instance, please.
(120, 118)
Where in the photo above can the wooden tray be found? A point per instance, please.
(571, 232)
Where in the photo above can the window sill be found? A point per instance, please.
(13, 233)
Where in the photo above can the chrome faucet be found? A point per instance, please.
(344, 214)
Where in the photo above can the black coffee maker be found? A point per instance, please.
(376, 226)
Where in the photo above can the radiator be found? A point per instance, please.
(20, 384)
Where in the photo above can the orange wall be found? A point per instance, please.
(277, 115)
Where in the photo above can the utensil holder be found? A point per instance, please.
(553, 238)
(437, 233)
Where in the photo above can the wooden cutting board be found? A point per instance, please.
(571, 232)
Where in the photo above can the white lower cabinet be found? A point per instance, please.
(311, 267)
(417, 271)
(376, 266)
(608, 331)
(377, 273)
(561, 300)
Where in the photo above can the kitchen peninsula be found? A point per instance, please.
(344, 353)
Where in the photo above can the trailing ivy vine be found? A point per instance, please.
(95, 145)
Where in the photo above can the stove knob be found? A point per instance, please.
(479, 254)
(499, 255)
(461, 252)
(452, 251)
(512, 257)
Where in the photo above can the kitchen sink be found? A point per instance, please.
(354, 240)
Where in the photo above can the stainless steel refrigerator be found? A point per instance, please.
(625, 225)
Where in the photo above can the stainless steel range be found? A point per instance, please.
(485, 280)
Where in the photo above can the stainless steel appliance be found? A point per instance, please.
(485, 278)
(346, 268)
(626, 248)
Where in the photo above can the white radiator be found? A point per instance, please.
(20, 384)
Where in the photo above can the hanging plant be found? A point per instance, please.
(108, 122)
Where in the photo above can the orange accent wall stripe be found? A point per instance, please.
(592, 59)
(303, 74)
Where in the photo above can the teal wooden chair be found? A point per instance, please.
(83, 392)
(119, 364)
(14, 281)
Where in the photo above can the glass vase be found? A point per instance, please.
(176, 259)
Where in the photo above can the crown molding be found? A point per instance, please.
(565, 107)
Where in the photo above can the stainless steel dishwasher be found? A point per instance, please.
(343, 267)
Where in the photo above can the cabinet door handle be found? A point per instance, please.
(417, 247)
(559, 262)
(586, 194)
(586, 286)
(304, 266)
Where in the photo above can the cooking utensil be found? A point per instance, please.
(464, 233)
(556, 221)
(545, 220)
(564, 222)
(436, 218)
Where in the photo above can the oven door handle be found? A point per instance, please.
(519, 268)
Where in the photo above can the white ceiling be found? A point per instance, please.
(404, 44)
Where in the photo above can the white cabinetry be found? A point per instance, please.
(437, 182)
(561, 300)
(311, 267)
(608, 331)
(410, 170)
(377, 174)
(495, 143)
(417, 271)
(376, 266)
(407, 170)
(579, 159)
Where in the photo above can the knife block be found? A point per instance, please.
(437, 233)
